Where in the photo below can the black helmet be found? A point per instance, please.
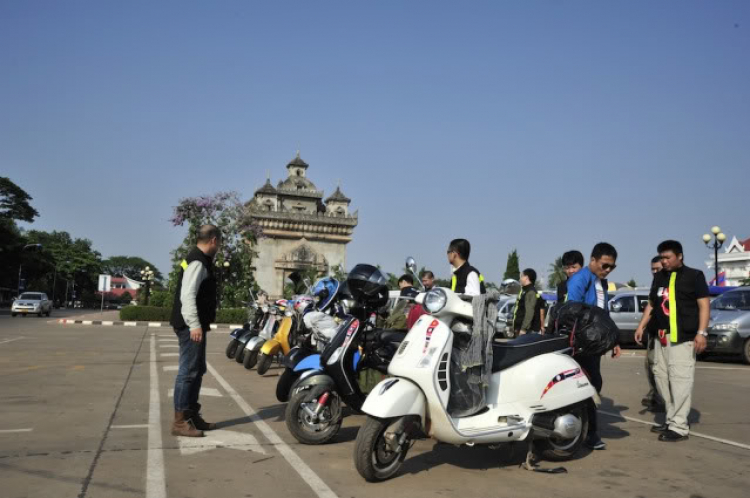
(368, 285)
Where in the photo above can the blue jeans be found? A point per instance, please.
(187, 385)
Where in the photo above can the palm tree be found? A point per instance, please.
(556, 274)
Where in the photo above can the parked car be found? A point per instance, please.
(626, 310)
(729, 328)
(505, 316)
(31, 303)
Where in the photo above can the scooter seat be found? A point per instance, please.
(391, 335)
(505, 355)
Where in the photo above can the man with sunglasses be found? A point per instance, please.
(589, 286)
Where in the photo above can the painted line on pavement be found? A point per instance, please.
(168, 340)
(692, 433)
(11, 340)
(13, 431)
(108, 323)
(724, 368)
(171, 368)
(131, 426)
(306, 473)
(156, 486)
(130, 324)
(169, 345)
(205, 391)
(170, 354)
(154, 324)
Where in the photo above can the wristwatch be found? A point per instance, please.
(703, 333)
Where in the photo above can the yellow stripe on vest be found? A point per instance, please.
(672, 308)
(184, 264)
(453, 283)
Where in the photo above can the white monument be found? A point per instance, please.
(735, 261)
(300, 229)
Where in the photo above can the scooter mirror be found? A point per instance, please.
(411, 264)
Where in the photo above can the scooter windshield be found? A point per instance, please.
(343, 333)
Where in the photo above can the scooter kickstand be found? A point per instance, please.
(531, 460)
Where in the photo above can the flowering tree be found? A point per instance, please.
(234, 259)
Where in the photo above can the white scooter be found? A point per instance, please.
(537, 392)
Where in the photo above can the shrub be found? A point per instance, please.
(145, 314)
(157, 314)
(231, 315)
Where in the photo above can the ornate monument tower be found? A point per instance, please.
(301, 230)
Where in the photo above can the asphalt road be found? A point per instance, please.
(86, 412)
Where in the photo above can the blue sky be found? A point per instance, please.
(541, 126)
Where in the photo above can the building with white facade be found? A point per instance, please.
(734, 261)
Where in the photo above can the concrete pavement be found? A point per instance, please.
(87, 410)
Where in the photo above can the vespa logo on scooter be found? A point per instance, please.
(428, 335)
(352, 328)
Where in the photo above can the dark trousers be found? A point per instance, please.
(187, 385)
(592, 365)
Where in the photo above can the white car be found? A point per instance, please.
(31, 303)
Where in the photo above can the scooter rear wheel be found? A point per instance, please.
(559, 450)
(373, 457)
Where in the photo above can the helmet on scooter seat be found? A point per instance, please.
(368, 286)
(325, 290)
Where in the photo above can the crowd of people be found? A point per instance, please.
(673, 326)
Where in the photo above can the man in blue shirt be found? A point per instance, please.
(589, 286)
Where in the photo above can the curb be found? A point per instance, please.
(107, 323)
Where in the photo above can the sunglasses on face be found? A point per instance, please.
(607, 266)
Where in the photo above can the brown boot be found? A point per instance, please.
(184, 426)
(201, 424)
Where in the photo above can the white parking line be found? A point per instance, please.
(11, 340)
(108, 323)
(156, 486)
(724, 368)
(169, 345)
(171, 368)
(13, 431)
(205, 391)
(168, 340)
(131, 426)
(692, 433)
(170, 354)
(306, 473)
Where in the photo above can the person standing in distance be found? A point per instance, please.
(678, 302)
(652, 401)
(526, 317)
(589, 286)
(572, 262)
(466, 279)
(428, 280)
(192, 313)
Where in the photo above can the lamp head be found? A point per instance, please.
(715, 230)
(706, 238)
(721, 237)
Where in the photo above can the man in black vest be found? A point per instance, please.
(192, 313)
(526, 317)
(679, 304)
(466, 279)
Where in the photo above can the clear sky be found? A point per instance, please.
(541, 126)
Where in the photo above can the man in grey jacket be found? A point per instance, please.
(192, 313)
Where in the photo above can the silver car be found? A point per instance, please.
(503, 325)
(729, 329)
(626, 310)
(31, 303)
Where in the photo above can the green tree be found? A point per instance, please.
(129, 266)
(239, 234)
(14, 206)
(62, 260)
(512, 269)
(14, 202)
(556, 273)
(632, 283)
(126, 297)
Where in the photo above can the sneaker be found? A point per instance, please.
(594, 442)
(660, 429)
(672, 437)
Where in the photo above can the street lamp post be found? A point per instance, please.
(718, 241)
(147, 275)
(20, 265)
(223, 267)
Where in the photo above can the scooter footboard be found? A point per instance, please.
(395, 398)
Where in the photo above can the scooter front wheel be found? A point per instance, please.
(240, 355)
(307, 423)
(375, 457)
(264, 363)
(251, 358)
(232, 348)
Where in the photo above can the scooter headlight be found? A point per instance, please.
(435, 300)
